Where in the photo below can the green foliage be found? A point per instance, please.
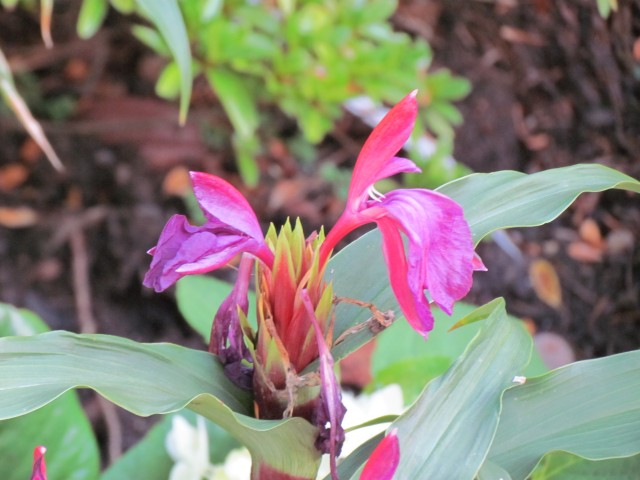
(605, 7)
(564, 466)
(62, 425)
(306, 57)
(587, 408)
(413, 366)
(148, 379)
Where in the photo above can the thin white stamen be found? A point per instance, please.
(375, 194)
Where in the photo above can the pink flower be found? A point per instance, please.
(440, 256)
(294, 303)
(384, 460)
(39, 467)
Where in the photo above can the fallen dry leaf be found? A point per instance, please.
(18, 217)
(583, 252)
(177, 182)
(545, 282)
(590, 232)
(12, 176)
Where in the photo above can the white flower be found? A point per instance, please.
(188, 446)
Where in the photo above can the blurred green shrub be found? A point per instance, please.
(306, 57)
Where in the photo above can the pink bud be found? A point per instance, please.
(39, 467)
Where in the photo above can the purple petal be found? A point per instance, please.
(184, 249)
(331, 409)
(223, 204)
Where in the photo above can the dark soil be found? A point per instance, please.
(554, 84)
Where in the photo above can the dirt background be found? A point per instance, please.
(554, 84)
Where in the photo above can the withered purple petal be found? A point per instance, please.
(227, 339)
(330, 410)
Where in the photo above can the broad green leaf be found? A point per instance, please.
(166, 16)
(148, 379)
(149, 459)
(418, 362)
(564, 466)
(143, 378)
(457, 415)
(491, 471)
(587, 408)
(199, 298)
(491, 202)
(91, 16)
(61, 426)
(507, 199)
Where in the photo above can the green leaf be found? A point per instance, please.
(418, 362)
(507, 199)
(61, 426)
(148, 379)
(91, 16)
(166, 16)
(168, 83)
(240, 105)
(587, 408)
(143, 378)
(564, 466)
(457, 415)
(151, 38)
(237, 100)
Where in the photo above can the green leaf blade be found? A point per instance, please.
(166, 16)
(587, 408)
(457, 415)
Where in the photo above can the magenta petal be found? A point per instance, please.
(184, 249)
(223, 204)
(331, 408)
(386, 139)
(383, 462)
(39, 467)
(440, 255)
(414, 304)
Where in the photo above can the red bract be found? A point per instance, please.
(39, 467)
(383, 462)
(294, 303)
